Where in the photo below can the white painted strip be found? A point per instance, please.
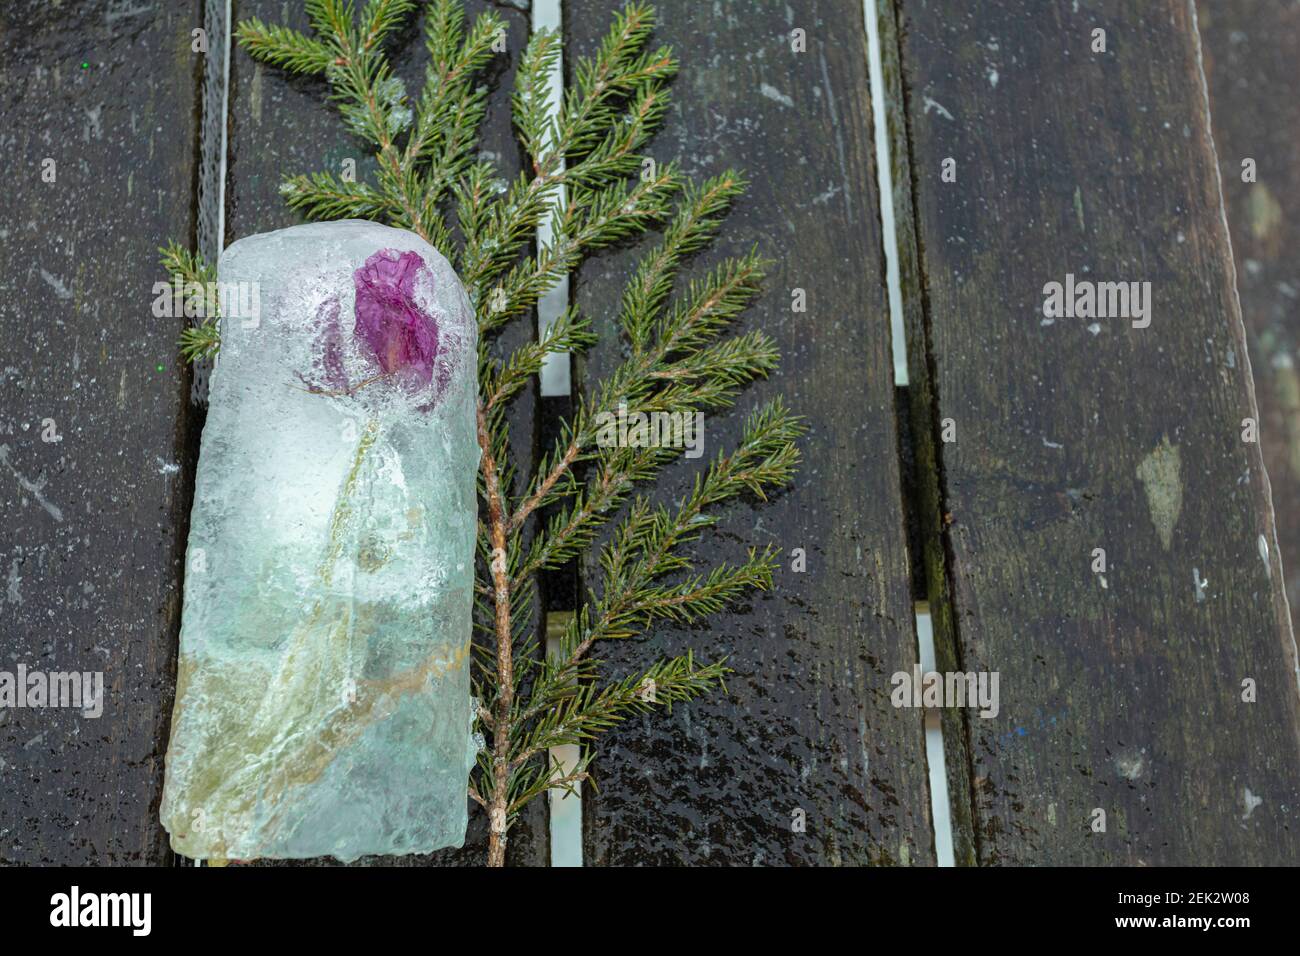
(566, 815)
(566, 809)
(225, 126)
(939, 806)
(556, 381)
(885, 183)
(556, 376)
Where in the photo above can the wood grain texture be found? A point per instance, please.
(1123, 694)
(1251, 54)
(93, 528)
(281, 125)
(807, 723)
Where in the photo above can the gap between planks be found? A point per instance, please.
(946, 751)
(940, 805)
(557, 384)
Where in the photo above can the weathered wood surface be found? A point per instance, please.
(807, 724)
(1251, 52)
(1119, 690)
(94, 522)
(282, 125)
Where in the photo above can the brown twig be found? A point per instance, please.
(497, 808)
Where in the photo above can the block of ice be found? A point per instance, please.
(323, 695)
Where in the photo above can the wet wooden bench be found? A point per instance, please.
(1071, 496)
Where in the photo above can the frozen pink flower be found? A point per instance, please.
(403, 337)
(390, 326)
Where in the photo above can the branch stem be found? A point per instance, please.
(497, 803)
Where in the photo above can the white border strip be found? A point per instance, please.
(940, 806)
(556, 375)
(885, 183)
(556, 380)
(225, 128)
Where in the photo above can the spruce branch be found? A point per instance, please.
(283, 47)
(324, 196)
(579, 715)
(199, 341)
(680, 357)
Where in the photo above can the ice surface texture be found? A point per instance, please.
(323, 695)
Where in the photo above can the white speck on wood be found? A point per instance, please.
(772, 93)
(14, 595)
(936, 106)
(33, 488)
(55, 283)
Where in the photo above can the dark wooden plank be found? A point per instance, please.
(93, 534)
(1123, 694)
(807, 724)
(282, 125)
(1250, 53)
